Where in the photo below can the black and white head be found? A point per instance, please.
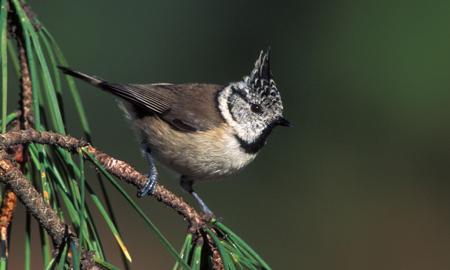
(253, 106)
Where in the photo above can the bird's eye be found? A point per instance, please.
(256, 108)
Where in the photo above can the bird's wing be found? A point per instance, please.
(187, 107)
(157, 99)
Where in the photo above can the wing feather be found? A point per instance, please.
(188, 107)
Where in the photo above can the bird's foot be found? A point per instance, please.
(207, 213)
(187, 183)
(150, 185)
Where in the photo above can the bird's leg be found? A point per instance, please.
(150, 185)
(186, 184)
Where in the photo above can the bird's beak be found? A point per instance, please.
(283, 122)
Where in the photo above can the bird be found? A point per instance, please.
(201, 131)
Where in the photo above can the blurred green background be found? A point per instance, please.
(360, 182)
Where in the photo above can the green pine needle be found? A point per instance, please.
(184, 253)
(4, 60)
(27, 253)
(196, 259)
(70, 81)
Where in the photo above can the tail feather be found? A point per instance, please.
(140, 95)
(77, 74)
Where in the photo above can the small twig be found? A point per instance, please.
(216, 258)
(31, 16)
(32, 136)
(26, 118)
(118, 168)
(8, 206)
(26, 101)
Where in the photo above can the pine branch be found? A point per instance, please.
(118, 168)
(47, 217)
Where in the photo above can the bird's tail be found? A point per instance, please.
(80, 75)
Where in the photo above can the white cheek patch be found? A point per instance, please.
(248, 132)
